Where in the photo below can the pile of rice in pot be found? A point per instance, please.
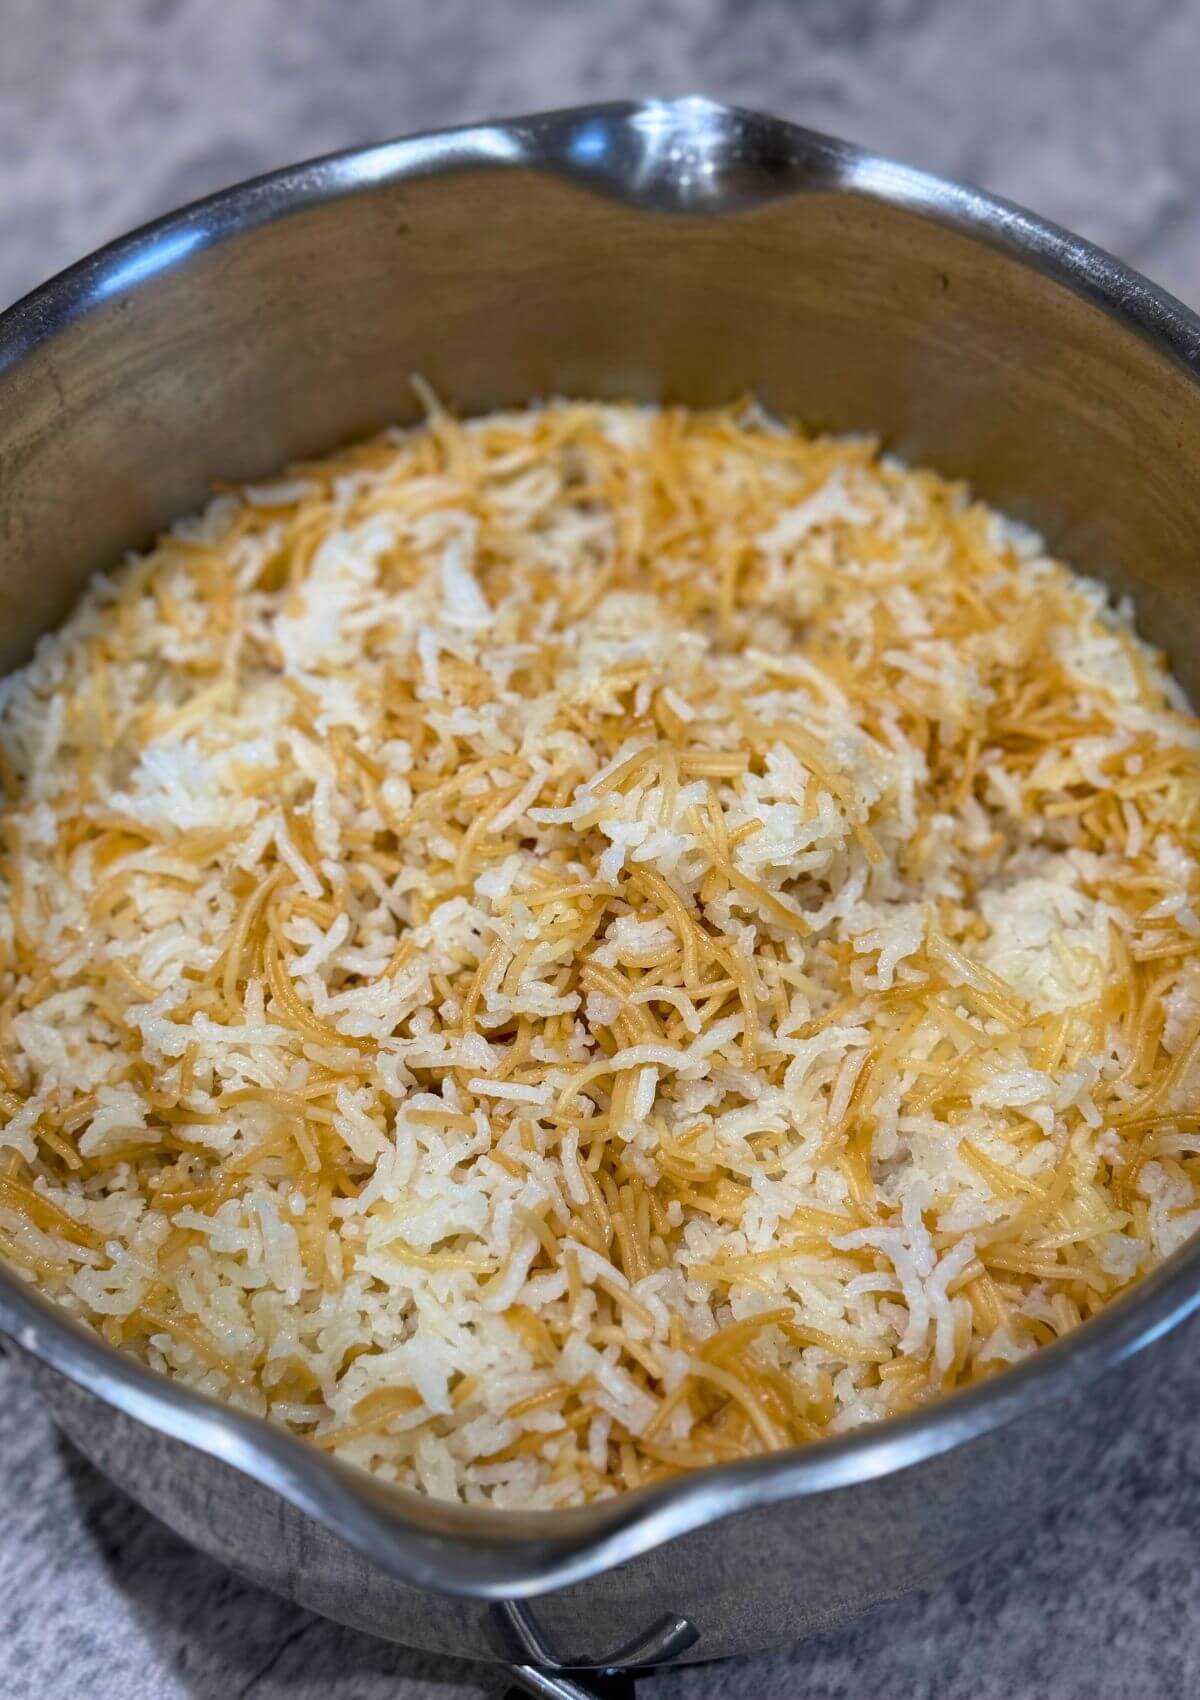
(552, 951)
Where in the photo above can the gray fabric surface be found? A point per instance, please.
(112, 112)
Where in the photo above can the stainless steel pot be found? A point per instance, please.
(675, 250)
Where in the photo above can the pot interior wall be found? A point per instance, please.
(291, 335)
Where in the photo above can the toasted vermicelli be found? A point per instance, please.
(545, 952)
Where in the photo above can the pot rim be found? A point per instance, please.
(689, 157)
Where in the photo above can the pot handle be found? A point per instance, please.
(561, 1685)
(547, 1678)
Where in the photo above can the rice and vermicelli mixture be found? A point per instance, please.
(552, 951)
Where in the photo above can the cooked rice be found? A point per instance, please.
(552, 951)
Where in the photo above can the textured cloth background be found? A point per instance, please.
(114, 110)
